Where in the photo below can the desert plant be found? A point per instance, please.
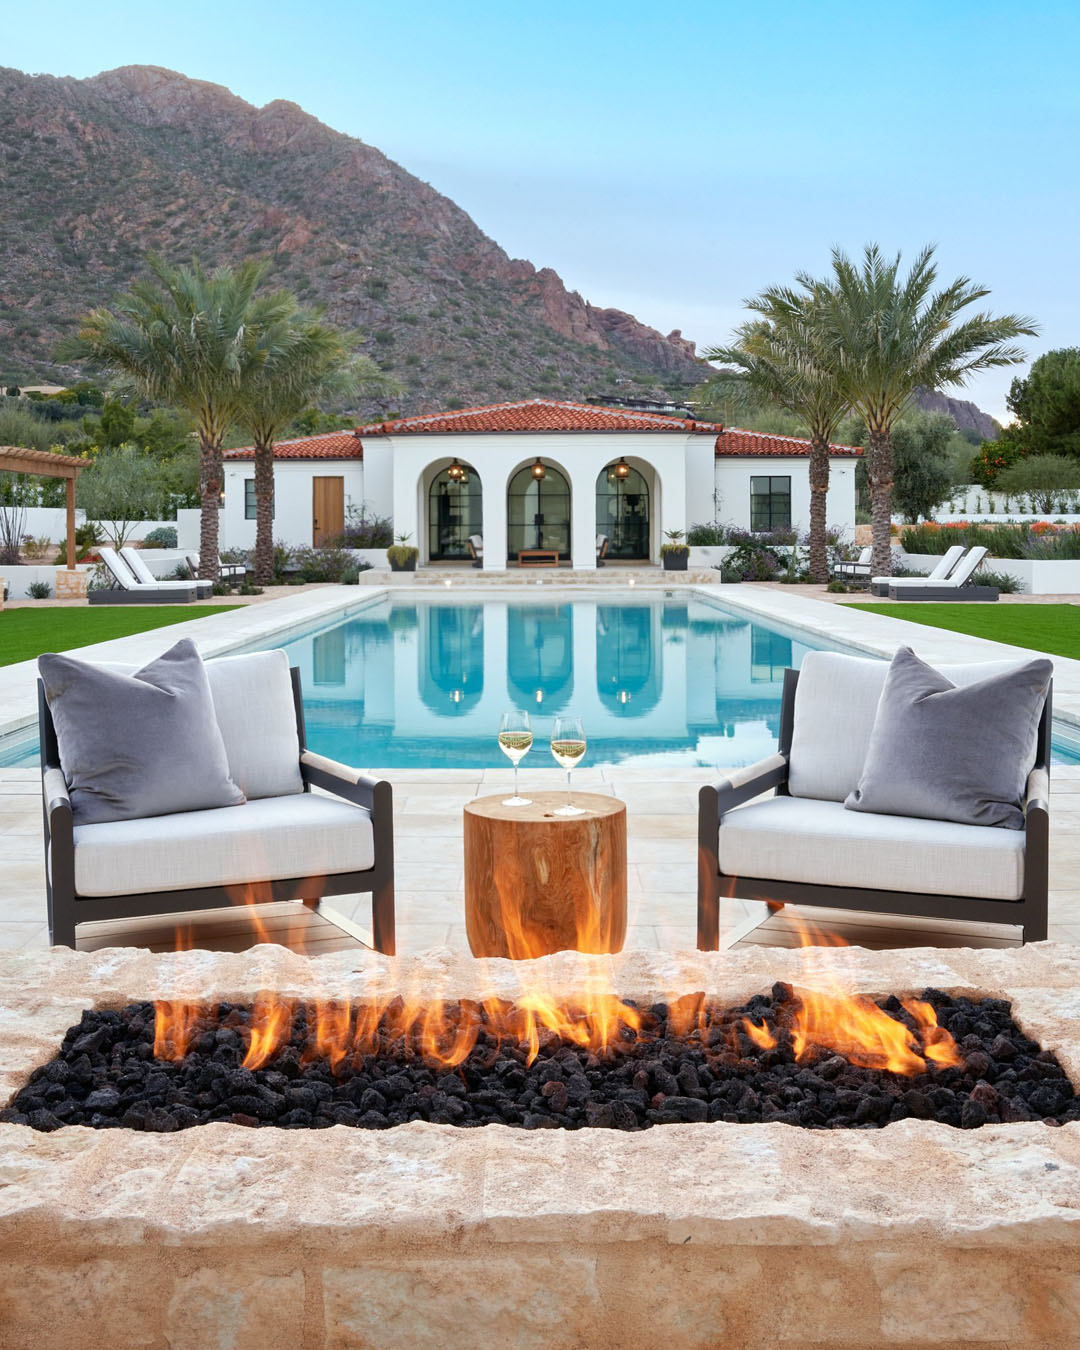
(837, 587)
(364, 531)
(890, 336)
(1042, 479)
(707, 536)
(401, 555)
(675, 543)
(162, 536)
(39, 590)
(1006, 584)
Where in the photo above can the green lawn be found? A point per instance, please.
(26, 633)
(1046, 628)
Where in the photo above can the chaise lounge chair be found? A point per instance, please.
(476, 549)
(141, 572)
(804, 847)
(602, 543)
(879, 586)
(127, 590)
(958, 585)
(284, 843)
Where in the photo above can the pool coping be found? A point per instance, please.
(237, 630)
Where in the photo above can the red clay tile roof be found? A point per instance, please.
(327, 445)
(537, 414)
(734, 442)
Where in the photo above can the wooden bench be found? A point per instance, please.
(538, 557)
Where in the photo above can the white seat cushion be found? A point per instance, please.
(835, 705)
(253, 700)
(276, 837)
(821, 843)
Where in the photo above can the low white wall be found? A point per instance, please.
(18, 579)
(972, 500)
(51, 522)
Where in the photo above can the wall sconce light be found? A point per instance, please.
(456, 695)
(622, 469)
(538, 469)
(624, 697)
(456, 472)
(539, 696)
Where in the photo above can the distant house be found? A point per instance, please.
(537, 474)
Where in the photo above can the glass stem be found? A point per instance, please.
(515, 778)
(569, 799)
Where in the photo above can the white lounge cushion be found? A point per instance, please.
(253, 701)
(835, 706)
(277, 837)
(794, 839)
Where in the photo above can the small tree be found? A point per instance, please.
(121, 487)
(1042, 479)
(117, 422)
(921, 463)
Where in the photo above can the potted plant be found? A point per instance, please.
(402, 557)
(675, 555)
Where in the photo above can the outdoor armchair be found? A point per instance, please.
(476, 549)
(861, 567)
(285, 842)
(233, 573)
(802, 846)
(602, 543)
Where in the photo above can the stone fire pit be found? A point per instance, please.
(686, 1235)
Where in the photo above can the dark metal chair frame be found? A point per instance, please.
(67, 908)
(1029, 912)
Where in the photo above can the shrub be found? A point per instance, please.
(249, 589)
(1053, 545)
(365, 531)
(837, 587)
(39, 590)
(1043, 479)
(1002, 580)
(321, 564)
(164, 536)
(707, 536)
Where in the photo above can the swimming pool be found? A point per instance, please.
(660, 680)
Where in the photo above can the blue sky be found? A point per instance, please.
(673, 163)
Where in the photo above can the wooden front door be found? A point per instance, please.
(327, 509)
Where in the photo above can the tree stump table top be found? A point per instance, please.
(537, 882)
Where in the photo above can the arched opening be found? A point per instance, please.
(452, 674)
(627, 668)
(455, 511)
(622, 510)
(538, 511)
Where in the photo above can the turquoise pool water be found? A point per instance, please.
(660, 680)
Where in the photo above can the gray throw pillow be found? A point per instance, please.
(941, 751)
(146, 744)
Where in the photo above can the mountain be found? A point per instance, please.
(96, 173)
(967, 415)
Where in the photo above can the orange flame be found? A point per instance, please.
(760, 1035)
(174, 1026)
(270, 1027)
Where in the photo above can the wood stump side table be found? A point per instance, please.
(537, 883)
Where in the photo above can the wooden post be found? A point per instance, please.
(536, 882)
(71, 523)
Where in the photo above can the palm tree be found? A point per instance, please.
(890, 336)
(192, 339)
(310, 361)
(780, 359)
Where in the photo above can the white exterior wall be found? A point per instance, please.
(293, 493)
(732, 487)
(663, 459)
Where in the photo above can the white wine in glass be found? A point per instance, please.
(515, 741)
(568, 747)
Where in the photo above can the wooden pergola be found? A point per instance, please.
(43, 464)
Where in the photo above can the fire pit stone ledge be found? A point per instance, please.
(745, 1235)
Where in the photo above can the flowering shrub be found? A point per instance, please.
(1014, 539)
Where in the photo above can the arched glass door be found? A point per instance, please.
(538, 512)
(622, 512)
(455, 510)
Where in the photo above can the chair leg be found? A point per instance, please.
(382, 916)
(312, 902)
(61, 928)
(708, 903)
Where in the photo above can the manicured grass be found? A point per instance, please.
(1046, 628)
(26, 633)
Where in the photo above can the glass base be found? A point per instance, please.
(569, 811)
(517, 801)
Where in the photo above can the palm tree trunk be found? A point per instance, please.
(819, 488)
(879, 471)
(264, 514)
(210, 501)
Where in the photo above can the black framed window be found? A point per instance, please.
(770, 502)
(249, 500)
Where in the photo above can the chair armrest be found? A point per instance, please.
(744, 784)
(341, 780)
(1037, 793)
(54, 793)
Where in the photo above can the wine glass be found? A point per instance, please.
(515, 741)
(568, 747)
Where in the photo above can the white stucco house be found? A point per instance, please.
(537, 474)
